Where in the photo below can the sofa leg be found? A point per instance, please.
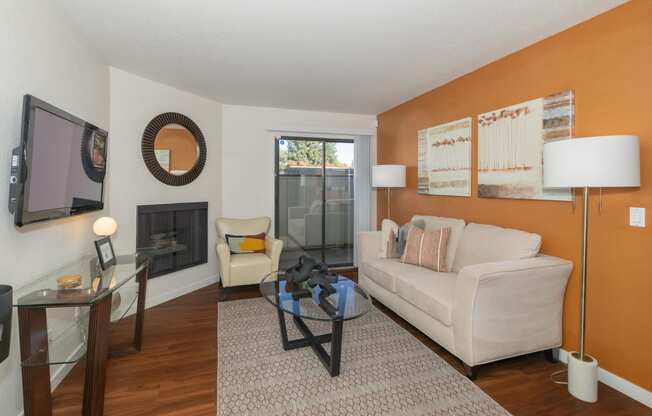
(549, 356)
(471, 372)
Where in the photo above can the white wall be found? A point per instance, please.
(43, 57)
(135, 101)
(248, 149)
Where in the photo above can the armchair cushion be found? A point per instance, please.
(250, 268)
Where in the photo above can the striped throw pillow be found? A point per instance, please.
(427, 248)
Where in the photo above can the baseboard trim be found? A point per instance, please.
(64, 369)
(627, 388)
(180, 291)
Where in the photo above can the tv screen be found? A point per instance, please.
(63, 166)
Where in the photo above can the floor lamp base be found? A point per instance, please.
(583, 377)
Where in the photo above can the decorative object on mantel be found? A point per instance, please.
(510, 147)
(388, 176)
(105, 253)
(69, 281)
(592, 162)
(445, 159)
(6, 302)
(186, 159)
(105, 227)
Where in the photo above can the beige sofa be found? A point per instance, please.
(246, 269)
(501, 298)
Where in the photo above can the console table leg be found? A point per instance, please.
(140, 309)
(96, 356)
(33, 328)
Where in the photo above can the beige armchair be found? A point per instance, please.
(246, 269)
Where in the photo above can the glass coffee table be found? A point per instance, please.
(348, 302)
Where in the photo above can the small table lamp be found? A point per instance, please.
(591, 162)
(388, 176)
(105, 227)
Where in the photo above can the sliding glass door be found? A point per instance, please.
(314, 199)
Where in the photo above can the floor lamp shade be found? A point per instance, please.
(593, 162)
(590, 162)
(388, 176)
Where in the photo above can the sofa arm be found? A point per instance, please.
(273, 249)
(224, 260)
(369, 245)
(509, 308)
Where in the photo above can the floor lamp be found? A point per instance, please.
(591, 162)
(388, 176)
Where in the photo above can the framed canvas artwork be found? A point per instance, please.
(445, 159)
(510, 147)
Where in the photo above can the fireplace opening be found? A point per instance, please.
(174, 236)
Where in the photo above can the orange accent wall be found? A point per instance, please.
(607, 61)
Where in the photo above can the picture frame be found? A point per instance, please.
(105, 253)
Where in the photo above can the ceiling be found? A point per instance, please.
(354, 56)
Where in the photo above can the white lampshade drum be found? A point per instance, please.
(105, 226)
(594, 162)
(591, 162)
(388, 176)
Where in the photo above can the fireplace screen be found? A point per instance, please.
(174, 236)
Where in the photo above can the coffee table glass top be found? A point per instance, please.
(348, 302)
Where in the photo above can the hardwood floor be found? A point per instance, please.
(176, 372)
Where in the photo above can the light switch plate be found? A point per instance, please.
(637, 217)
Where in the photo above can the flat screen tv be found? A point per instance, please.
(62, 164)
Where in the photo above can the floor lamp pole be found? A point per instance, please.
(389, 216)
(582, 368)
(585, 248)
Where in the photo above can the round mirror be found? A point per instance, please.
(174, 149)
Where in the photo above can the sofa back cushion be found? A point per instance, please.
(481, 243)
(432, 223)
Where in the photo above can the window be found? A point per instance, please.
(315, 199)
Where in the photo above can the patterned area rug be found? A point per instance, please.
(385, 370)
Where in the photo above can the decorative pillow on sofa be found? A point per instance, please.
(245, 244)
(388, 229)
(427, 248)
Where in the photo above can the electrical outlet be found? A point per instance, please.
(637, 217)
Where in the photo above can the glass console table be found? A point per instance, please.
(101, 297)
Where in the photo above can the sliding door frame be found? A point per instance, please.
(277, 177)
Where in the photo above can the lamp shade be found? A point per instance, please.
(105, 226)
(388, 176)
(592, 162)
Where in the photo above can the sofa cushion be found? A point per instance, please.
(481, 243)
(383, 272)
(434, 223)
(430, 291)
